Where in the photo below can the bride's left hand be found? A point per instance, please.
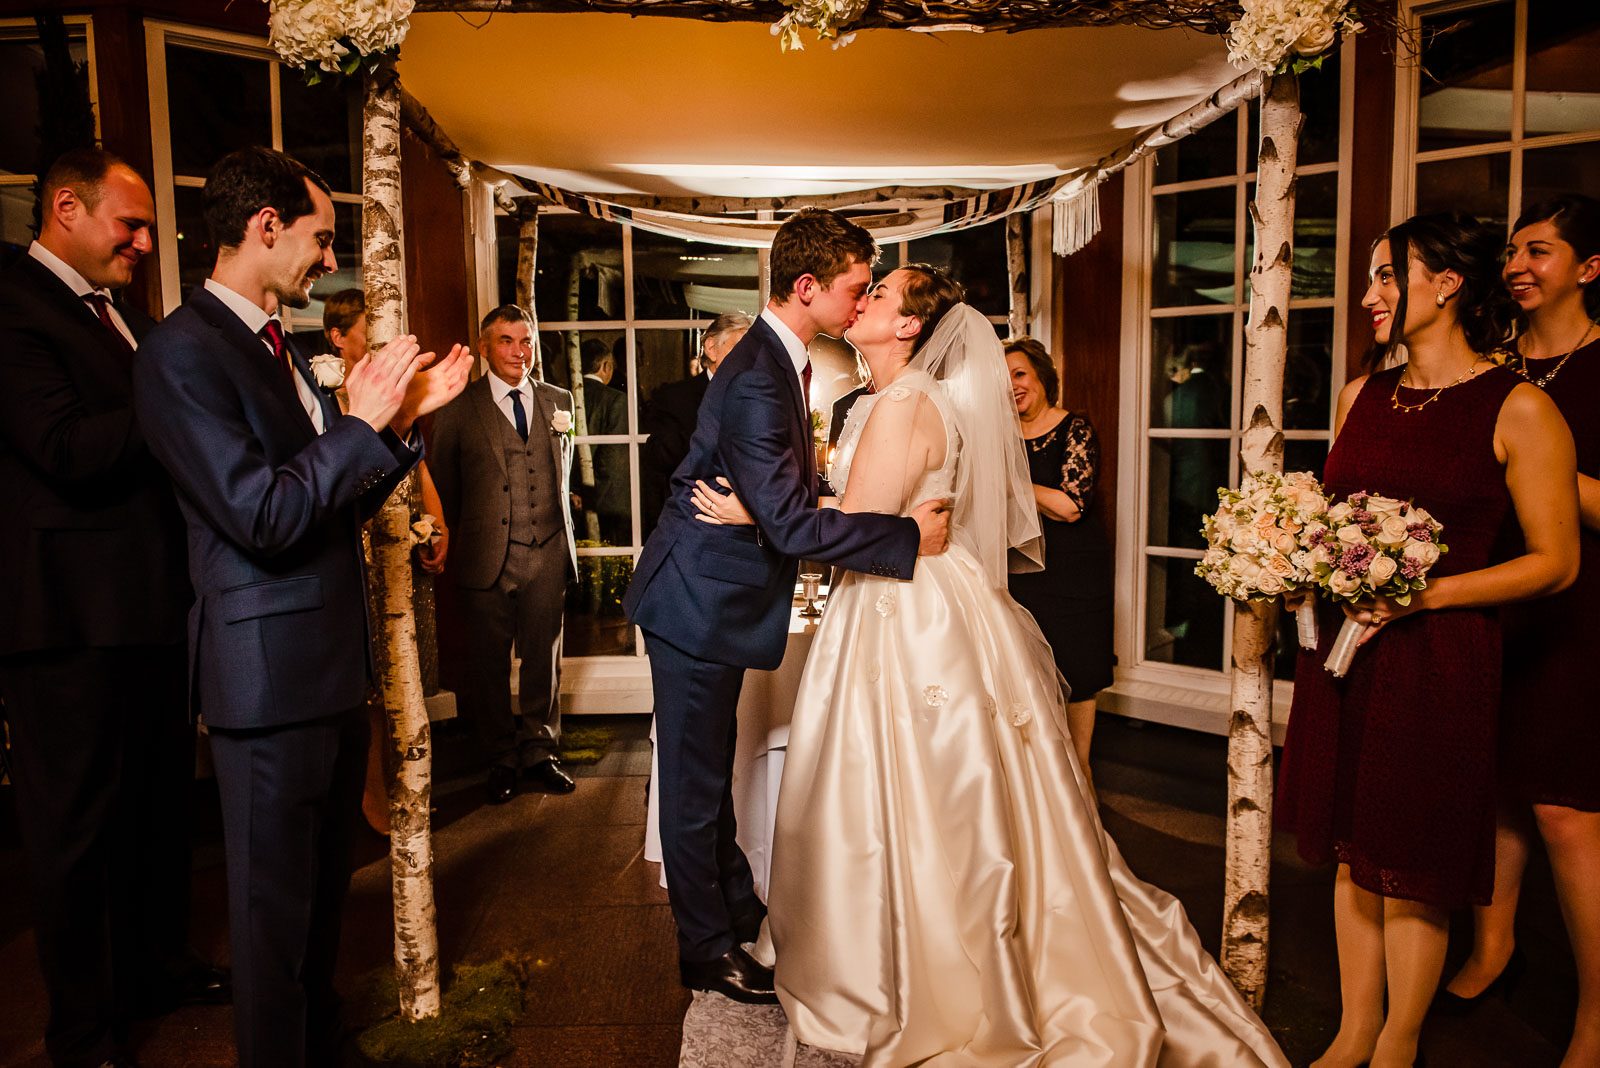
(724, 509)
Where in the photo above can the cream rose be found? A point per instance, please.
(1383, 507)
(1341, 582)
(1340, 511)
(1352, 535)
(1246, 568)
(1425, 553)
(328, 370)
(1316, 38)
(1271, 584)
(1393, 532)
(1381, 569)
(561, 422)
(1285, 542)
(1244, 540)
(1280, 566)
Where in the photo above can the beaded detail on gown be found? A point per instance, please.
(1391, 769)
(1550, 734)
(942, 892)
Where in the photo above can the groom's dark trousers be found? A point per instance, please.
(279, 647)
(93, 593)
(714, 600)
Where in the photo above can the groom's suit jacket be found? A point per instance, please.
(723, 593)
(279, 631)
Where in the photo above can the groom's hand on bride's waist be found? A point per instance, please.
(933, 521)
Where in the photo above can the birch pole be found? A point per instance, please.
(410, 757)
(1249, 848)
(527, 266)
(1017, 272)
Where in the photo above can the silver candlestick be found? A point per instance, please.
(808, 589)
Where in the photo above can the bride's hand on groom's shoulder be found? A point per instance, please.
(933, 521)
(715, 506)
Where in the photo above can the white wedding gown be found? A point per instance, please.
(942, 892)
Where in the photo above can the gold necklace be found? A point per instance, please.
(1546, 378)
(1394, 399)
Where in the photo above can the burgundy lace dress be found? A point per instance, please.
(1550, 728)
(1391, 769)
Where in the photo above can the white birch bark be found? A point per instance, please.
(1017, 271)
(1249, 842)
(527, 264)
(410, 757)
(580, 411)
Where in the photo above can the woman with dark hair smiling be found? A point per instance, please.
(1550, 735)
(1390, 770)
(1071, 598)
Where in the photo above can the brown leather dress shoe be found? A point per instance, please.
(735, 975)
(549, 777)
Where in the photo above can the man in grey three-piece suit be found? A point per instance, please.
(501, 455)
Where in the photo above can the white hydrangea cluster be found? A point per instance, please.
(827, 17)
(1270, 31)
(328, 33)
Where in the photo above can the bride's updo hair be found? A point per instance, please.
(928, 294)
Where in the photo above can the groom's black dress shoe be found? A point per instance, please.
(735, 975)
(500, 785)
(550, 777)
(187, 981)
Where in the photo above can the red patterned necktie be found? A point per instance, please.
(805, 382)
(102, 307)
(273, 332)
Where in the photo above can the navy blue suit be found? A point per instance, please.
(714, 600)
(279, 646)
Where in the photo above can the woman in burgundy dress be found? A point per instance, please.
(1550, 732)
(1390, 770)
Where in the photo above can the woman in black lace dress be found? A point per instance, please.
(1071, 598)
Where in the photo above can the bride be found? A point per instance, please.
(942, 893)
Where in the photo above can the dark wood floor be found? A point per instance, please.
(562, 880)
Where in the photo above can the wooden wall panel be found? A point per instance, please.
(1087, 340)
(1371, 179)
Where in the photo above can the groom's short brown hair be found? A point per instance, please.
(817, 242)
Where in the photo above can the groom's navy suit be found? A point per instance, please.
(714, 600)
(279, 649)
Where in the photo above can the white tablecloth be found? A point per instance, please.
(766, 704)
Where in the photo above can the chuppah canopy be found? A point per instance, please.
(610, 106)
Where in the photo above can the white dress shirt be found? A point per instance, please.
(255, 320)
(791, 342)
(501, 392)
(80, 286)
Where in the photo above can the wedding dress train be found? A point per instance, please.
(942, 891)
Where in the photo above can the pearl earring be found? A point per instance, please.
(1440, 298)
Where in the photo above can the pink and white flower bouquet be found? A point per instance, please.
(1259, 543)
(1373, 546)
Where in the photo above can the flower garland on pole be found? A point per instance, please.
(344, 38)
(1281, 39)
(338, 37)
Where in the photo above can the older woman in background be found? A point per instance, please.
(1071, 598)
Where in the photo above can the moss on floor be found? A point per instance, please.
(480, 1005)
(585, 745)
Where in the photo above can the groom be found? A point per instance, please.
(714, 600)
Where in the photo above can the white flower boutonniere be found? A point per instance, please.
(328, 370)
(561, 422)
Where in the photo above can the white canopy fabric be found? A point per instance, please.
(607, 104)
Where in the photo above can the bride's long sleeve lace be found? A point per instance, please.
(903, 439)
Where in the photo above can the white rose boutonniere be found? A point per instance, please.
(561, 422)
(328, 370)
(425, 530)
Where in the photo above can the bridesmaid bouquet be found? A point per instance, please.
(1260, 542)
(1373, 546)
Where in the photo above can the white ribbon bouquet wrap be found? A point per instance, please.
(1259, 542)
(1374, 546)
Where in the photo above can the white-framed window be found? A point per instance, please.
(610, 289)
(1186, 300)
(212, 92)
(22, 60)
(1501, 110)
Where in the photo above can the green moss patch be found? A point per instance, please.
(585, 745)
(480, 1006)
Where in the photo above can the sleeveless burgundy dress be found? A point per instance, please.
(1550, 726)
(1391, 769)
